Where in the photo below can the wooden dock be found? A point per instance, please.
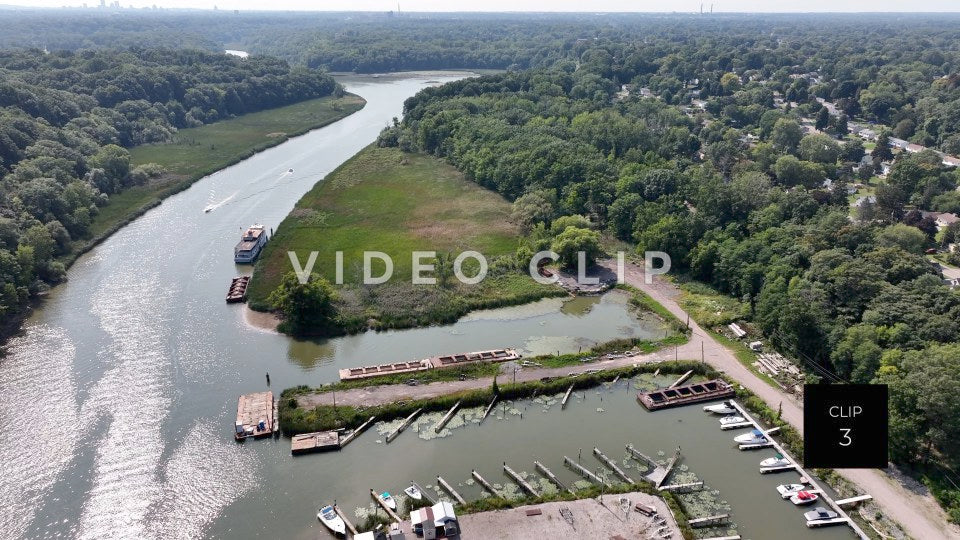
(321, 441)
(443, 483)
(553, 478)
(584, 472)
(393, 515)
(238, 289)
(682, 378)
(668, 469)
(483, 482)
(424, 493)
(709, 521)
(446, 418)
(435, 362)
(486, 413)
(566, 397)
(346, 521)
(844, 518)
(519, 480)
(406, 423)
(683, 488)
(613, 466)
(356, 433)
(256, 416)
(685, 395)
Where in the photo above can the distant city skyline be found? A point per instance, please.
(653, 6)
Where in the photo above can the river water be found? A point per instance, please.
(119, 397)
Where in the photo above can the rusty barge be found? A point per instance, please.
(435, 362)
(685, 395)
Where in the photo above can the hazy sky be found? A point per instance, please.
(533, 5)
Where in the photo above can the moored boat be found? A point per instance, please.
(789, 490)
(328, 516)
(802, 498)
(388, 499)
(820, 513)
(754, 437)
(413, 493)
(251, 242)
(721, 408)
(727, 420)
(778, 461)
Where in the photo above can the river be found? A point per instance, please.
(119, 397)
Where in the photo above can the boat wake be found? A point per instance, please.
(211, 206)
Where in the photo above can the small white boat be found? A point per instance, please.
(388, 499)
(328, 516)
(789, 490)
(754, 437)
(720, 408)
(803, 498)
(778, 461)
(727, 420)
(413, 493)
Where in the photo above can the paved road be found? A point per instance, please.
(919, 514)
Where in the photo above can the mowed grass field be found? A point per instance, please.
(385, 200)
(196, 152)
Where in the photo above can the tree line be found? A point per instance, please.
(66, 119)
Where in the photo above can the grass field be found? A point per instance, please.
(385, 200)
(196, 152)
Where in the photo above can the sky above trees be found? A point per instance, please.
(690, 6)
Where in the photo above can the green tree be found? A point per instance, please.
(114, 160)
(306, 308)
(907, 238)
(573, 240)
(786, 135)
(819, 148)
(823, 119)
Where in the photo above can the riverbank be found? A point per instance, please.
(397, 203)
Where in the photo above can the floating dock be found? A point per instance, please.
(583, 471)
(406, 423)
(436, 362)
(709, 521)
(443, 483)
(320, 441)
(356, 433)
(549, 474)
(613, 466)
(685, 395)
(238, 289)
(256, 416)
(519, 480)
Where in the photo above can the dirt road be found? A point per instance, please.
(918, 513)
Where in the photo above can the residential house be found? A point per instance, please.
(437, 521)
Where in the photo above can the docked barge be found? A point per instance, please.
(436, 362)
(685, 395)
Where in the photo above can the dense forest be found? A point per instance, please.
(854, 297)
(66, 118)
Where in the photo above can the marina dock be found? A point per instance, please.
(613, 466)
(519, 480)
(483, 482)
(356, 433)
(320, 441)
(346, 521)
(583, 471)
(435, 362)
(256, 416)
(393, 515)
(709, 521)
(553, 478)
(443, 483)
(406, 423)
(685, 395)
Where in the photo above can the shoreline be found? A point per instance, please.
(261, 321)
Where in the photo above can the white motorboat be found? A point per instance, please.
(754, 437)
(820, 514)
(778, 461)
(803, 498)
(413, 493)
(328, 516)
(721, 408)
(727, 420)
(789, 490)
(388, 500)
